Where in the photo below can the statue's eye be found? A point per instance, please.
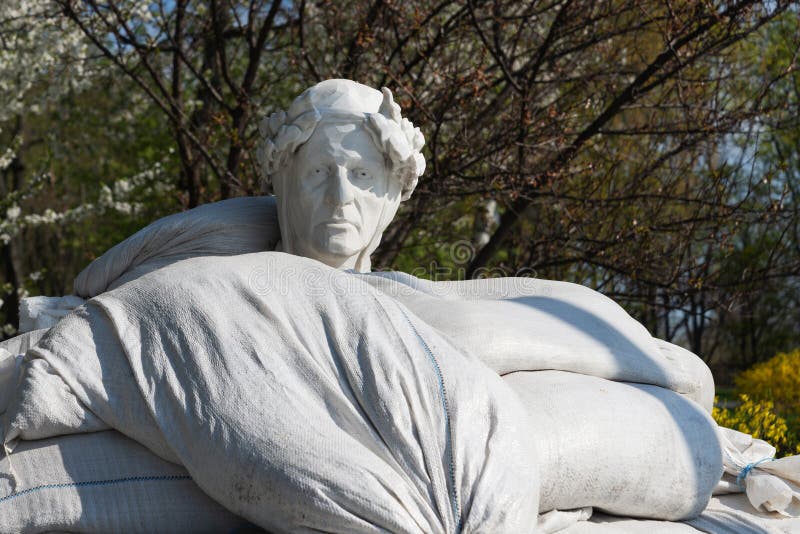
(362, 174)
(315, 177)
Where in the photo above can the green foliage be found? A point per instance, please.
(769, 403)
(776, 380)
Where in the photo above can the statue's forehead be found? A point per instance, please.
(341, 140)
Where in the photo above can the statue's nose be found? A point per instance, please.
(340, 190)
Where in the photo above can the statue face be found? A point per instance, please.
(338, 189)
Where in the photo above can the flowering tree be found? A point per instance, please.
(46, 64)
(35, 44)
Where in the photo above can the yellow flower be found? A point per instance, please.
(777, 380)
(758, 419)
(770, 389)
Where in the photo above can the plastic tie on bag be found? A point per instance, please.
(740, 478)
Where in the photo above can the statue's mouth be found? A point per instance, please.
(339, 223)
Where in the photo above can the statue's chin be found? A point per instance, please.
(336, 248)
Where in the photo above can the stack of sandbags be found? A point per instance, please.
(631, 449)
(291, 404)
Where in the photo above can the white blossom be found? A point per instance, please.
(6, 158)
(13, 212)
(122, 188)
(123, 207)
(39, 46)
(106, 196)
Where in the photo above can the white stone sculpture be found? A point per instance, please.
(340, 161)
(402, 372)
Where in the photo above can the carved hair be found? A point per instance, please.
(283, 133)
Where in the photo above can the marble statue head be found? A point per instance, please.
(340, 160)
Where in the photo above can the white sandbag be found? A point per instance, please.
(21, 343)
(526, 324)
(733, 514)
(558, 520)
(11, 351)
(627, 449)
(234, 226)
(726, 514)
(293, 406)
(772, 484)
(701, 388)
(9, 373)
(608, 524)
(37, 313)
(102, 482)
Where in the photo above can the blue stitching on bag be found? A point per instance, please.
(94, 483)
(443, 391)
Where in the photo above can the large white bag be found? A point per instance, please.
(102, 482)
(527, 324)
(627, 449)
(233, 226)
